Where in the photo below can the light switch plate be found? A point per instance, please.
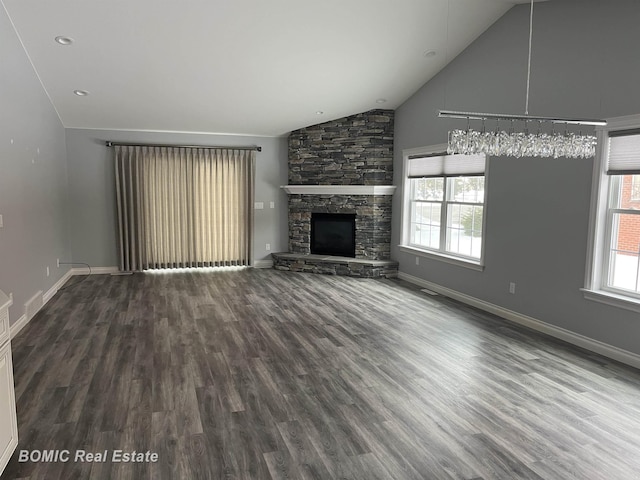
(258, 205)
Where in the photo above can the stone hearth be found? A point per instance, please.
(331, 265)
(343, 166)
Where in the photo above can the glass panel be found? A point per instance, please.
(466, 189)
(629, 188)
(635, 188)
(464, 230)
(625, 191)
(625, 251)
(425, 224)
(427, 188)
(415, 234)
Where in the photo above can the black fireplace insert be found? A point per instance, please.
(333, 234)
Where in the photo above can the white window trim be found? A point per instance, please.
(405, 245)
(599, 236)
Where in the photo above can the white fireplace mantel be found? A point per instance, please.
(339, 189)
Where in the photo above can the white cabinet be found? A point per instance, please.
(8, 419)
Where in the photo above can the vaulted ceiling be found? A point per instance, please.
(253, 67)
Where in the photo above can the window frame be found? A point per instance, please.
(440, 254)
(597, 270)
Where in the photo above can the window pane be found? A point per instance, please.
(628, 191)
(635, 188)
(466, 189)
(427, 189)
(625, 250)
(425, 224)
(464, 230)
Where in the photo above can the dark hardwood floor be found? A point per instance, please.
(260, 374)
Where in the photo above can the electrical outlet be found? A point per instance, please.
(272, 204)
(267, 247)
(417, 260)
(258, 205)
(47, 271)
(1, 222)
(512, 287)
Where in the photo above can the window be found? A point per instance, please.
(614, 273)
(444, 204)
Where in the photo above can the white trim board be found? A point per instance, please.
(56, 286)
(339, 189)
(19, 324)
(263, 264)
(95, 271)
(596, 346)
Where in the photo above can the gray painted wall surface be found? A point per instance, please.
(586, 64)
(92, 205)
(33, 178)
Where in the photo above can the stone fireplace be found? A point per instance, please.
(342, 167)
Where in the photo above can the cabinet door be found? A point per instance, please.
(8, 420)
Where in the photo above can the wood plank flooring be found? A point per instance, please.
(260, 374)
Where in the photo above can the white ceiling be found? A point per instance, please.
(253, 67)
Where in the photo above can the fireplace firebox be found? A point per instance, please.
(333, 234)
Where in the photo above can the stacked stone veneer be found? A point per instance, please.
(356, 150)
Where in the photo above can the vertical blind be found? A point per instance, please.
(184, 207)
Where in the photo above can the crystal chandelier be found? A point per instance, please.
(512, 143)
(521, 144)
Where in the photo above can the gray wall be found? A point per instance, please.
(585, 64)
(92, 214)
(32, 178)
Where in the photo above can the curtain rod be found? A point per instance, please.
(109, 143)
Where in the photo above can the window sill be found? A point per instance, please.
(460, 262)
(612, 299)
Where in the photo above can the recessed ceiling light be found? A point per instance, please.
(81, 93)
(64, 40)
(381, 100)
(319, 112)
(430, 53)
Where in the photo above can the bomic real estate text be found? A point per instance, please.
(115, 456)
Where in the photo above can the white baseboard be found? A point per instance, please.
(263, 264)
(56, 286)
(18, 325)
(596, 346)
(48, 295)
(95, 271)
(33, 305)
